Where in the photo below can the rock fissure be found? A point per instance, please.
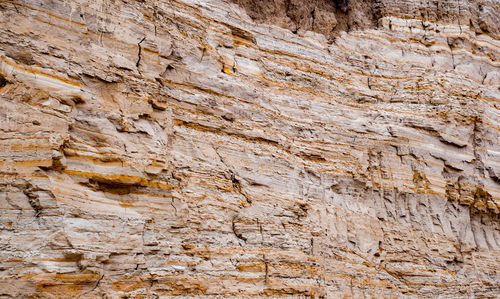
(139, 51)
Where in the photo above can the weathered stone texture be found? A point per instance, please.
(181, 148)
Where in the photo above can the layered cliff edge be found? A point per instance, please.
(281, 148)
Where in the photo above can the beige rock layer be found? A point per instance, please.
(178, 148)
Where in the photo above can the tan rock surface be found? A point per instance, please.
(182, 148)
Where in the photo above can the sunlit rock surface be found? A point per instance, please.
(197, 148)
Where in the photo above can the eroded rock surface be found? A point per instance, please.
(330, 17)
(182, 148)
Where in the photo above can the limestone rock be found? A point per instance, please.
(214, 148)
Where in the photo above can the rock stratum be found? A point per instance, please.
(207, 148)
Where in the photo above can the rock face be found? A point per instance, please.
(202, 148)
(329, 17)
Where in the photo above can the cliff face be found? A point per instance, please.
(202, 148)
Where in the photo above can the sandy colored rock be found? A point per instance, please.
(210, 148)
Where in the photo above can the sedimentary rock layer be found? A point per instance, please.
(330, 17)
(182, 148)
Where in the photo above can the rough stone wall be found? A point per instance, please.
(330, 17)
(180, 148)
